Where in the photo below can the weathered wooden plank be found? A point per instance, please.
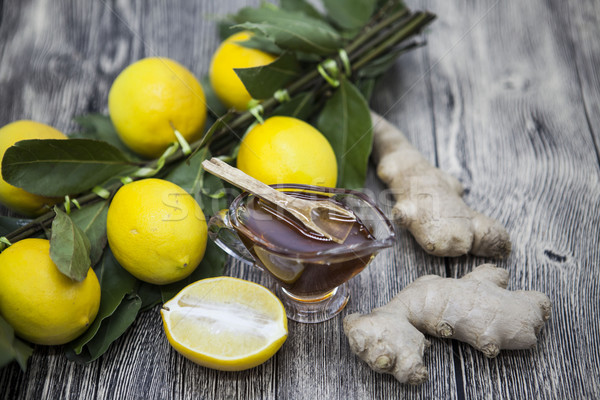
(402, 97)
(325, 368)
(584, 20)
(45, 73)
(93, 46)
(389, 273)
(45, 76)
(510, 124)
(501, 109)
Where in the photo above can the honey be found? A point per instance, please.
(324, 264)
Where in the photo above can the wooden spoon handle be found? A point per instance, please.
(246, 182)
(299, 208)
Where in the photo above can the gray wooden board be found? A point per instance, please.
(511, 124)
(505, 96)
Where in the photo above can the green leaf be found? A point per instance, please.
(149, 294)
(227, 25)
(91, 219)
(100, 127)
(7, 335)
(392, 5)
(206, 189)
(114, 326)
(212, 198)
(111, 329)
(261, 82)
(261, 43)
(22, 352)
(366, 87)
(115, 284)
(301, 106)
(61, 167)
(11, 347)
(69, 247)
(291, 30)
(188, 175)
(212, 265)
(301, 6)
(226, 28)
(383, 63)
(9, 224)
(346, 123)
(350, 14)
(213, 104)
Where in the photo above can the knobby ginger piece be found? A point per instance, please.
(429, 202)
(475, 309)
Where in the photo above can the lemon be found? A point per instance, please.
(13, 197)
(225, 82)
(151, 97)
(156, 230)
(288, 150)
(225, 323)
(38, 301)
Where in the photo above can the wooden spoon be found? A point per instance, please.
(324, 217)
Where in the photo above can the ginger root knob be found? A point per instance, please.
(476, 309)
(429, 202)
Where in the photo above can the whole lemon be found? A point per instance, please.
(13, 197)
(151, 97)
(38, 301)
(287, 150)
(225, 82)
(156, 230)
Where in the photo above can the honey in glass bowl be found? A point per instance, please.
(311, 270)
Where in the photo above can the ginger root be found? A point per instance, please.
(428, 200)
(476, 309)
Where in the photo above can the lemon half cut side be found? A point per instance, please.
(225, 323)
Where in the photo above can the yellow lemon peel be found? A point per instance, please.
(156, 231)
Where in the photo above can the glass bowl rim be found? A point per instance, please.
(356, 251)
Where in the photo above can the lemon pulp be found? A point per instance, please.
(225, 323)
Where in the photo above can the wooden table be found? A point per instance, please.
(505, 96)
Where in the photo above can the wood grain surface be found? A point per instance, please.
(505, 96)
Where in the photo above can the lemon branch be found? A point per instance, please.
(386, 30)
(380, 36)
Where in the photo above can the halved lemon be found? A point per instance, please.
(225, 323)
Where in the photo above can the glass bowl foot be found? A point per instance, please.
(312, 310)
